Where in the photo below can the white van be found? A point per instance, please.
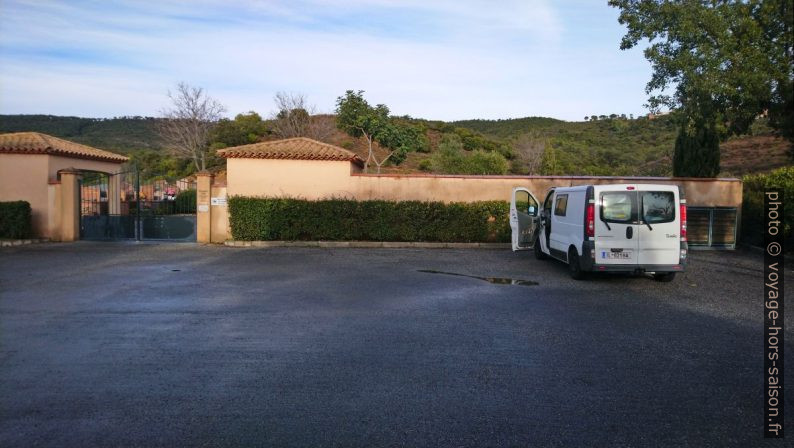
(604, 228)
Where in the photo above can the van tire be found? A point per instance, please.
(574, 267)
(664, 277)
(539, 255)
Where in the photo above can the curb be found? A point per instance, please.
(25, 242)
(368, 244)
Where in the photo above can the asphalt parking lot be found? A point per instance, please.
(112, 344)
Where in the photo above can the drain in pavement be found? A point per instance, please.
(494, 280)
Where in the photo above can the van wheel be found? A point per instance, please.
(664, 277)
(539, 255)
(574, 267)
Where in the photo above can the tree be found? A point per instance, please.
(449, 158)
(151, 162)
(403, 137)
(727, 61)
(357, 118)
(297, 118)
(292, 118)
(530, 148)
(243, 130)
(697, 152)
(186, 126)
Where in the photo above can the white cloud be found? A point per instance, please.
(481, 60)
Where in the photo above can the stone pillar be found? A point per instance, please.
(203, 209)
(114, 194)
(70, 204)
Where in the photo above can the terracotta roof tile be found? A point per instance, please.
(298, 148)
(37, 143)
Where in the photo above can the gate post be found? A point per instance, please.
(114, 194)
(70, 204)
(203, 214)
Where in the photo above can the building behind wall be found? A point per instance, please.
(31, 168)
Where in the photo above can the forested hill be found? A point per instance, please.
(612, 145)
(121, 134)
(604, 146)
(511, 127)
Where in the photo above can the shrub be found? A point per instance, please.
(481, 162)
(15, 220)
(753, 205)
(186, 201)
(451, 159)
(348, 220)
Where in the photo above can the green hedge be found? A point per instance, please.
(753, 205)
(15, 220)
(261, 219)
(186, 201)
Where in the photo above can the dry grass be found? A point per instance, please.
(754, 154)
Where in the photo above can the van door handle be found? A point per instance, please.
(629, 232)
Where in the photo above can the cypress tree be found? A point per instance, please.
(697, 155)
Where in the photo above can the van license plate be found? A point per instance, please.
(622, 255)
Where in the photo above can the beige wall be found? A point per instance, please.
(23, 177)
(310, 179)
(33, 178)
(699, 192)
(57, 163)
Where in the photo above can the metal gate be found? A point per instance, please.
(133, 205)
(712, 227)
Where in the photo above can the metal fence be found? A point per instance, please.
(133, 205)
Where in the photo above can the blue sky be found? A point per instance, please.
(440, 59)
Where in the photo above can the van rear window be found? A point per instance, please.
(658, 206)
(619, 207)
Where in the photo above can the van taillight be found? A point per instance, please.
(683, 222)
(590, 230)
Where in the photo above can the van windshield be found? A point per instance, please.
(618, 207)
(658, 206)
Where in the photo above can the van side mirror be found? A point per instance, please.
(531, 210)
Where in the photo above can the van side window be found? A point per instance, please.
(618, 206)
(658, 206)
(561, 205)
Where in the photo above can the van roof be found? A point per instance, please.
(620, 187)
(625, 186)
(616, 186)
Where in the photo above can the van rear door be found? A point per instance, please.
(659, 239)
(616, 239)
(523, 219)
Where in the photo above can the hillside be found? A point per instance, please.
(604, 147)
(122, 134)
